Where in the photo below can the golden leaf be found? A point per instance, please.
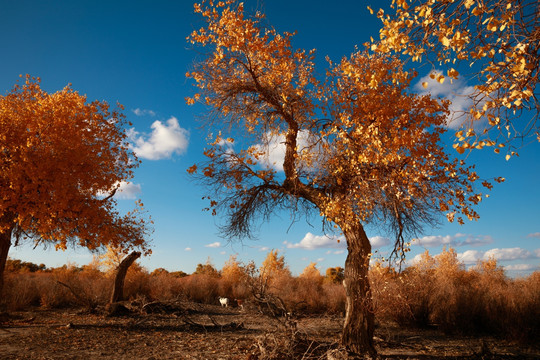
(468, 3)
(192, 169)
(445, 41)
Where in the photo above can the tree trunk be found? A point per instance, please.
(359, 323)
(5, 244)
(118, 291)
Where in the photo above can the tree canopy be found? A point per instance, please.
(493, 45)
(61, 161)
(356, 147)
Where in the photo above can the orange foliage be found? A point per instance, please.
(312, 273)
(375, 155)
(233, 271)
(497, 39)
(274, 267)
(59, 154)
(359, 147)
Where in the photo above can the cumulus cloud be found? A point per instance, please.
(335, 252)
(456, 91)
(187, 249)
(505, 254)
(414, 260)
(379, 241)
(274, 148)
(522, 267)
(125, 190)
(470, 256)
(534, 235)
(143, 112)
(508, 254)
(165, 140)
(453, 240)
(311, 241)
(213, 245)
(128, 190)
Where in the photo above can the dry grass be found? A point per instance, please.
(438, 291)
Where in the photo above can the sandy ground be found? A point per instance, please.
(195, 331)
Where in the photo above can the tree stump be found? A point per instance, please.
(118, 290)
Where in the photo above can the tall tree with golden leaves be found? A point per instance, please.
(497, 42)
(58, 153)
(357, 148)
(274, 267)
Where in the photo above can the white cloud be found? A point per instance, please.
(522, 267)
(379, 241)
(274, 148)
(453, 240)
(187, 249)
(470, 256)
(507, 254)
(128, 190)
(164, 140)
(473, 256)
(125, 190)
(414, 260)
(264, 248)
(335, 252)
(534, 235)
(456, 91)
(311, 241)
(213, 245)
(142, 112)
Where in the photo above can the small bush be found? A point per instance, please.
(20, 291)
(201, 288)
(335, 298)
(164, 286)
(137, 283)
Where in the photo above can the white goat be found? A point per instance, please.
(224, 301)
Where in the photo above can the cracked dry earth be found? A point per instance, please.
(211, 332)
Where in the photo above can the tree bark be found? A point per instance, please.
(118, 290)
(359, 323)
(5, 244)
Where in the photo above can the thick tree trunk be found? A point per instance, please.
(118, 290)
(5, 244)
(359, 319)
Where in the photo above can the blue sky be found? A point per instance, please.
(135, 52)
